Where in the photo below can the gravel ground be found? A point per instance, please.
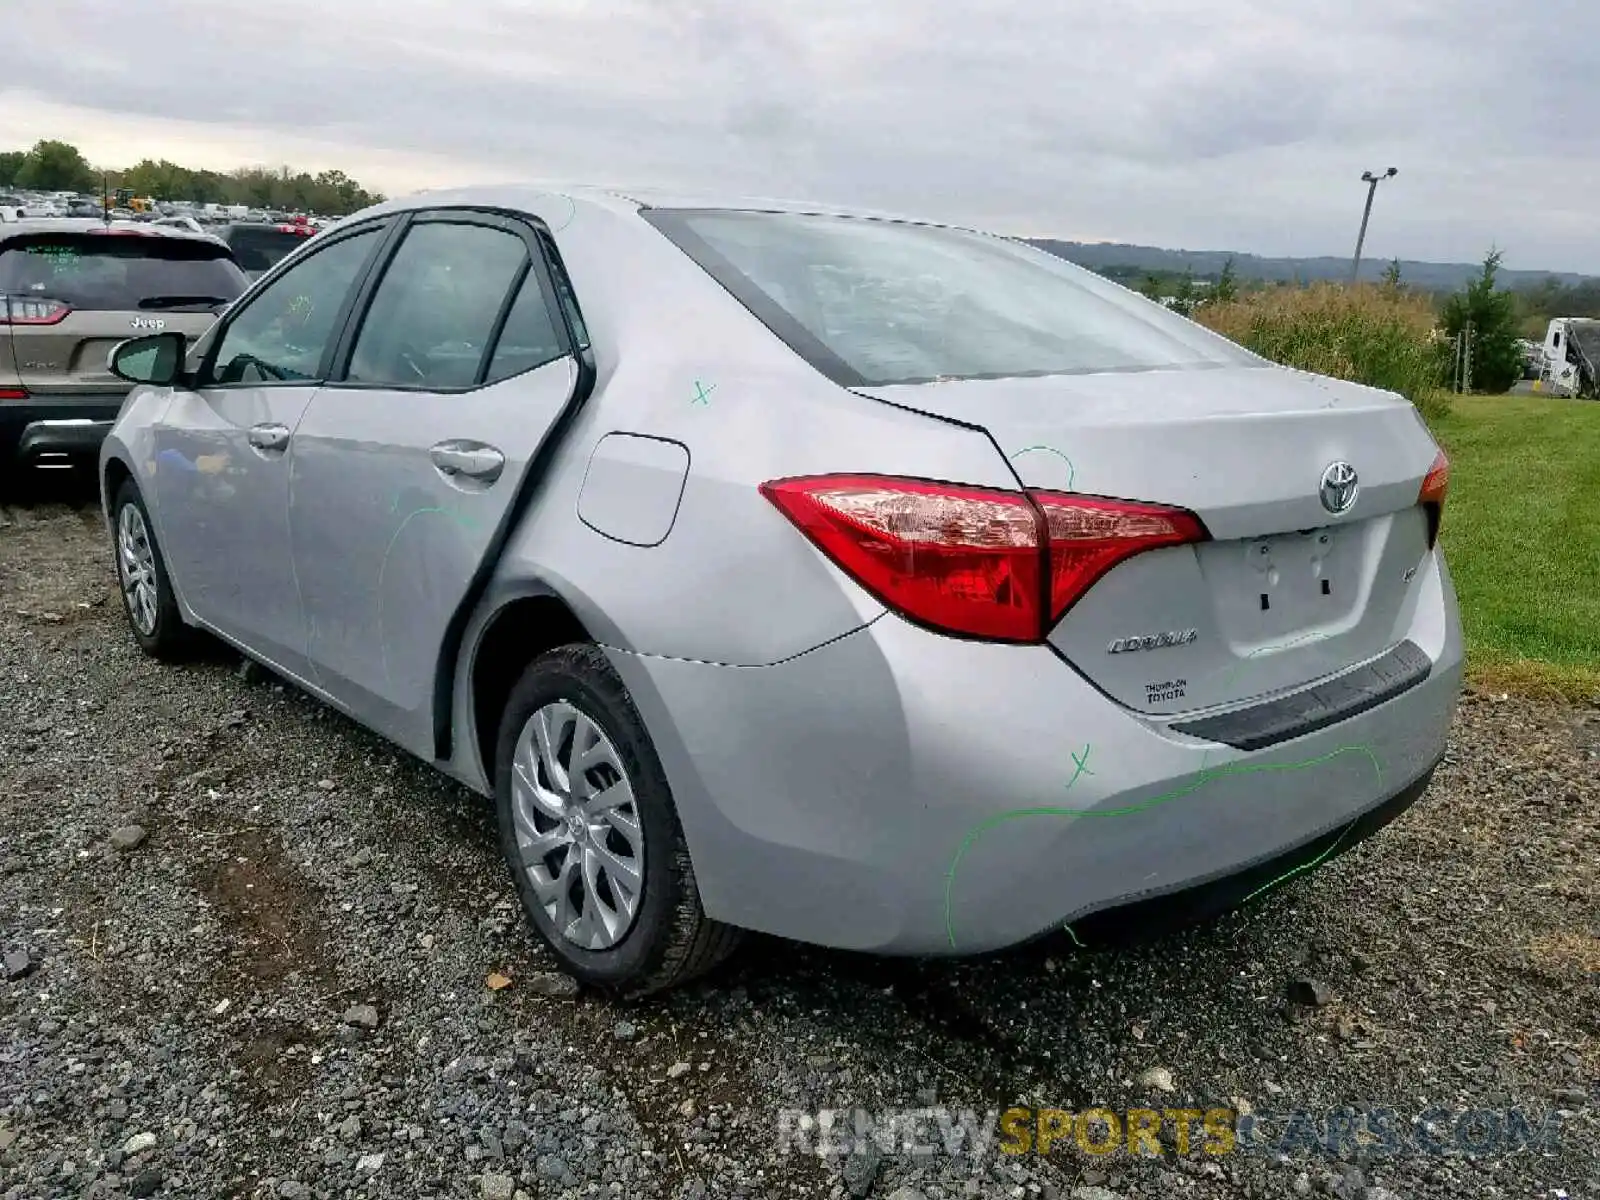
(249, 948)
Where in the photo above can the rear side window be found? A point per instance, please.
(876, 302)
(529, 338)
(435, 310)
(120, 272)
(258, 250)
(564, 296)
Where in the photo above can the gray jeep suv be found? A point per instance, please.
(71, 290)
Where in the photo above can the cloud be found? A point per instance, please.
(1200, 123)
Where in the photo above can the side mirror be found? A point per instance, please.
(156, 359)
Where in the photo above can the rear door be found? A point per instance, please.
(408, 470)
(72, 296)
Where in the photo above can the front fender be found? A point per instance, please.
(132, 443)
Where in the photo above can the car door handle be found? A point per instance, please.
(472, 459)
(269, 437)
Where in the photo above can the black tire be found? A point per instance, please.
(169, 639)
(671, 939)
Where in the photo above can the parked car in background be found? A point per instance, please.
(1532, 358)
(258, 246)
(11, 208)
(181, 222)
(70, 291)
(864, 582)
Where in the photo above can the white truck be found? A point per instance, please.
(1571, 358)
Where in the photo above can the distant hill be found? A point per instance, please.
(1125, 263)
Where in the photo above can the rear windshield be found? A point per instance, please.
(120, 272)
(258, 250)
(876, 302)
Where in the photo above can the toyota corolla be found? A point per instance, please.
(871, 583)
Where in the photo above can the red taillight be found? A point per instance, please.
(1435, 486)
(20, 310)
(964, 560)
(10, 393)
(973, 561)
(1089, 536)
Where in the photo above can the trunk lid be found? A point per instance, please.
(1286, 592)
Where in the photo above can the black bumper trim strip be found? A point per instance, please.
(1338, 699)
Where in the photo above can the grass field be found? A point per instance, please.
(1522, 536)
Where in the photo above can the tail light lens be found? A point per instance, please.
(1089, 536)
(975, 562)
(11, 393)
(22, 310)
(1435, 486)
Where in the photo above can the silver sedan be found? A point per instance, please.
(871, 583)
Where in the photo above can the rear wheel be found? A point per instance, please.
(147, 594)
(590, 831)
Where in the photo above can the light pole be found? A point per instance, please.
(1372, 181)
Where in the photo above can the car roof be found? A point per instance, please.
(14, 229)
(624, 199)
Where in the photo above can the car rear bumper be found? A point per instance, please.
(899, 792)
(43, 427)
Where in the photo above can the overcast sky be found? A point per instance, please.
(1203, 124)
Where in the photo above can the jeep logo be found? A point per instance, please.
(1153, 641)
(152, 323)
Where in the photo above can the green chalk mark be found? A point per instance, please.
(470, 524)
(572, 211)
(1205, 776)
(1071, 470)
(1233, 672)
(1082, 765)
(1303, 867)
(1265, 887)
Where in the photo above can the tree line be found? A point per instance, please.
(1552, 298)
(1531, 305)
(55, 166)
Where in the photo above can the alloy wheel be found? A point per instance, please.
(577, 826)
(136, 562)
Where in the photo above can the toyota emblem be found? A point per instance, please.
(1339, 487)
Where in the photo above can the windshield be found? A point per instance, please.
(876, 302)
(120, 272)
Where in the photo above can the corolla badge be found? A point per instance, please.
(1153, 641)
(1339, 487)
(155, 323)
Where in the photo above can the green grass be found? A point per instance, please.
(1522, 536)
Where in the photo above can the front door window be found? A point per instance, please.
(283, 335)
